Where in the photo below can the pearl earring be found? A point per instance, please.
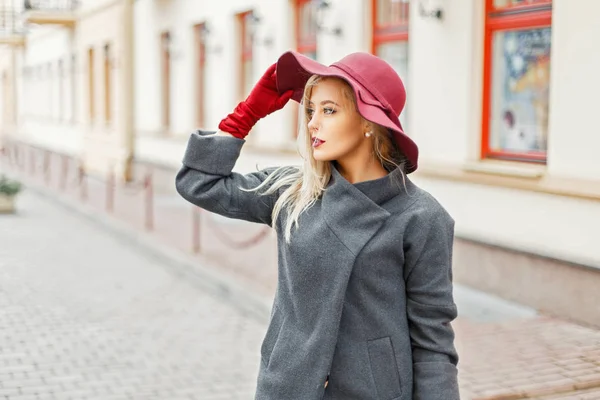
(368, 134)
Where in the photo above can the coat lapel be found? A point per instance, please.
(354, 212)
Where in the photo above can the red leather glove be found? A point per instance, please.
(262, 101)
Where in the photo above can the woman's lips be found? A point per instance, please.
(316, 142)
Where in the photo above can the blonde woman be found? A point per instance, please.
(364, 298)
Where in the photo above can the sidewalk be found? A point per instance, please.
(507, 351)
(87, 315)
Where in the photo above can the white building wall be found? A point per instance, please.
(105, 141)
(558, 227)
(353, 17)
(5, 70)
(46, 46)
(574, 136)
(445, 64)
(221, 87)
(68, 127)
(147, 66)
(444, 100)
(446, 105)
(38, 100)
(277, 25)
(93, 33)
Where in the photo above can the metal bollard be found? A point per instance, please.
(64, 172)
(82, 183)
(149, 202)
(21, 159)
(32, 161)
(196, 230)
(17, 158)
(47, 167)
(110, 190)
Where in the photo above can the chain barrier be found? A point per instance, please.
(23, 156)
(224, 236)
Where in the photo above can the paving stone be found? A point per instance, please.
(84, 316)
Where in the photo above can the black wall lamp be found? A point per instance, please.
(204, 32)
(254, 21)
(431, 9)
(322, 7)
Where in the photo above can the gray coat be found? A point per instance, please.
(364, 290)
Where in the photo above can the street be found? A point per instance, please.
(84, 316)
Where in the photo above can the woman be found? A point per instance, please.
(364, 298)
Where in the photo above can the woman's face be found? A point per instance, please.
(336, 129)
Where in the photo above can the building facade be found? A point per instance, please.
(501, 98)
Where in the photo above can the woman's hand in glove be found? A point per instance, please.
(262, 101)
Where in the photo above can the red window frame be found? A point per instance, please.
(245, 51)
(306, 42)
(200, 45)
(532, 14)
(60, 89)
(389, 32)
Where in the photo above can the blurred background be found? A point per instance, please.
(113, 287)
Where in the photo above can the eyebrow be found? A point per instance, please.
(325, 102)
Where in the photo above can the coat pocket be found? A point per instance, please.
(384, 368)
(271, 336)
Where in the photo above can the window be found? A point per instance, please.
(199, 40)
(37, 91)
(516, 79)
(306, 28)
(26, 89)
(107, 84)
(306, 43)
(165, 51)
(50, 103)
(390, 36)
(61, 94)
(91, 86)
(5, 97)
(73, 88)
(246, 67)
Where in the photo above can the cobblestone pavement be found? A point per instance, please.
(531, 358)
(84, 316)
(591, 394)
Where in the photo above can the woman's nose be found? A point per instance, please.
(313, 123)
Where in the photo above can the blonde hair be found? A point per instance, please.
(306, 184)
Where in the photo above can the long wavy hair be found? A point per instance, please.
(304, 185)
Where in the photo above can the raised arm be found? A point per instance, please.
(206, 178)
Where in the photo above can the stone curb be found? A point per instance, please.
(566, 389)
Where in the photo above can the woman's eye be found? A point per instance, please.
(310, 112)
(328, 111)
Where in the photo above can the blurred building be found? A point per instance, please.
(501, 99)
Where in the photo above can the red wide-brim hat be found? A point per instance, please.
(379, 91)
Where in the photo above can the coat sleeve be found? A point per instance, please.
(206, 179)
(430, 306)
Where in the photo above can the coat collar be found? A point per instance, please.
(355, 212)
(380, 190)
